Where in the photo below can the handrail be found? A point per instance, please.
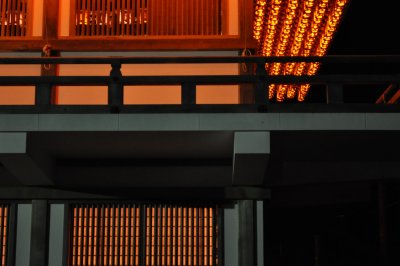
(259, 78)
(202, 59)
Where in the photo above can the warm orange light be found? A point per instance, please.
(295, 28)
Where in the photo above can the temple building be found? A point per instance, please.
(199, 133)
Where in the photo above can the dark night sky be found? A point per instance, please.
(368, 28)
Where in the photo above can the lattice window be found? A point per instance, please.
(147, 17)
(4, 218)
(14, 18)
(129, 234)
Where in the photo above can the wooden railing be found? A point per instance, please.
(259, 78)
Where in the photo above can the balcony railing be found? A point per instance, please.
(335, 83)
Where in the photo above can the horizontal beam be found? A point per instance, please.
(197, 121)
(110, 43)
(202, 80)
(345, 59)
(229, 193)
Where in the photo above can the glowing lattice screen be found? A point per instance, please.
(143, 234)
(13, 18)
(4, 215)
(295, 28)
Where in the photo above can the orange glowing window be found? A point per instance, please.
(146, 17)
(129, 234)
(14, 17)
(4, 217)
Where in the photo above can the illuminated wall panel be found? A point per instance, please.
(4, 216)
(144, 234)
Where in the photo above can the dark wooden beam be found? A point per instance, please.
(127, 43)
(190, 194)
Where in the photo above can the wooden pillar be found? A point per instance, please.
(38, 252)
(247, 251)
(50, 33)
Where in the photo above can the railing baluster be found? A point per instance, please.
(334, 93)
(260, 92)
(188, 93)
(115, 88)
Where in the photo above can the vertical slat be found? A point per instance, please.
(129, 241)
(80, 246)
(114, 229)
(98, 19)
(214, 238)
(109, 17)
(85, 235)
(8, 33)
(187, 15)
(175, 243)
(132, 253)
(75, 235)
(17, 18)
(218, 17)
(181, 234)
(197, 22)
(137, 15)
(119, 18)
(117, 234)
(90, 235)
(165, 239)
(197, 237)
(192, 236)
(103, 18)
(131, 17)
(156, 235)
(3, 17)
(12, 16)
(122, 234)
(85, 17)
(88, 15)
(78, 15)
(125, 17)
(186, 232)
(101, 242)
(2, 224)
(107, 233)
(200, 236)
(141, 17)
(97, 229)
(24, 17)
(170, 228)
(93, 17)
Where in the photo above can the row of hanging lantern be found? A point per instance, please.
(295, 28)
